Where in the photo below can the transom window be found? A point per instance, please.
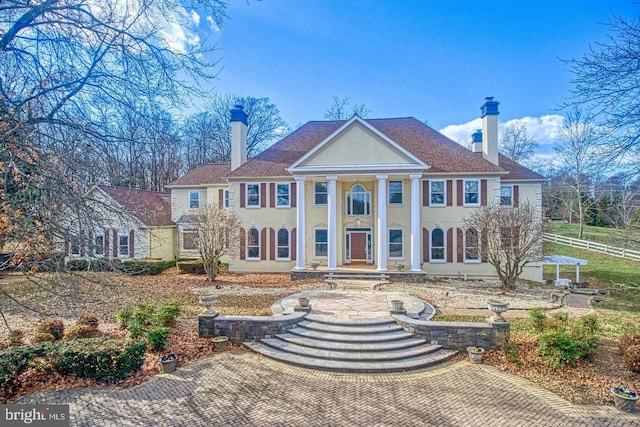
(194, 199)
(282, 246)
(472, 245)
(253, 244)
(321, 243)
(396, 247)
(320, 193)
(358, 201)
(437, 245)
(437, 193)
(506, 195)
(253, 195)
(283, 195)
(472, 192)
(395, 192)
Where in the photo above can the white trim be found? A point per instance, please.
(246, 246)
(288, 184)
(381, 228)
(316, 256)
(444, 193)
(464, 246)
(512, 195)
(124, 233)
(300, 222)
(246, 195)
(314, 192)
(277, 246)
(93, 246)
(444, 247)
(402, 193)
(464, 192)
(196, 192)
(389, 243)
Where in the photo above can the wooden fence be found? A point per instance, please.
(592, 246)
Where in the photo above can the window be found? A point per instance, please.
(98, 244)
(471, 244)
(194, 199)
(471, 192)
(226, 198)
(437, 193)
(358, 201)
(395, 192)
(74, 246)
(396, 248)
(253, 244)
(189, 240)
(253, 195)
(506, 195)
(282, 247)
(437, 245)
(320, 194)
(123, 244)
(320, 244)
(510, 239)
(282, 196)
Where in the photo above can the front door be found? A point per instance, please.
(358, 246)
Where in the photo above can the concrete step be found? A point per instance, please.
(355, 329)
(379, 366)
(332, 320)
(353, 338)
(399, 344)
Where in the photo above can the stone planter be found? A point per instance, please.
(221, 343)
(476, 354)
(168, 362)
(625, 400)
(208, 300)
(315, 265)
(397, 306)
(498, 307)
(303, 302)
(399, 267)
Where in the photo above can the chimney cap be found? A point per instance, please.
(238, 114)
(477, 136)
(490, 107)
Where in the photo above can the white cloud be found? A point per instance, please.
(212, 24)
(462, 133)
(195, 17)
(177, 31)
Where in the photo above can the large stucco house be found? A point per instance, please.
(360, 192)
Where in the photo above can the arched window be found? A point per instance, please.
(282, 247)
(359, 201)
(472, 244)
(437, 245)
(253, 244)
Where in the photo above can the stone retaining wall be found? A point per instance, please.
(457, 335)
(245, 328)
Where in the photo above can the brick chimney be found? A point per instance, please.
(238, 137)
(490, 130)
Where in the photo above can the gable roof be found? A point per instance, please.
(202, 175)
(517, 171)
(436, 150)
(150, 207)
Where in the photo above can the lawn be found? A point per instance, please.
(607, 236)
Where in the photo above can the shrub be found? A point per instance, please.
(100, 358)
(88, 319)
(627, 340)
(80, 331)
(157, 336)
(150, 267)
(40, 337)
(53, 327)
(144, 315)
(124, 317)
(77, 265)
(15, 337)
(167, 313)
(190, 267)
(558, 347)
(12, 363)
(587, 326)
(537, 317)
(632, 357)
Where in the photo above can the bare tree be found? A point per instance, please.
(516, 144)
(218, 235)
(607, 81)
(342, 109)
(514, 238)
(580, 152)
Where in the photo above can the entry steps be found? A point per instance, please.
(375, 345)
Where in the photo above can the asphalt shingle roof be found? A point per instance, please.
(204, 174)
(151, 207)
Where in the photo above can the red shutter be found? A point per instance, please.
(449, 192)
(106, 242)
(516, 196)
(243, 198)
(132, 251)
(294, 247)
(243, 244)
(115, 243)
(263, 195)
(294, 194)
(272, 244)
(459, 192)
(450, 245)
(483, 245)
(425, 245)
(220, 198)
(425, 193)
(483, 192)
(272, 195)
(263, 244)
(67, 242)
(459, 244)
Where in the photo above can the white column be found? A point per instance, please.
(332, 227)
(415, 222)
(382, 249)
(300, 248)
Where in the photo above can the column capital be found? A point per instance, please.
(299, 178)
(415, 176)
(332, 177)
(382, 177)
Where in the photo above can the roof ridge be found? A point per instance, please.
(132, 189)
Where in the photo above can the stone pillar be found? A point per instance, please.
(415, 222)
(300, 223)
(381, 231)
(332, 226)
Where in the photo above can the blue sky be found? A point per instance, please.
(433, 60)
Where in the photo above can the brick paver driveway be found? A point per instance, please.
(244, 389)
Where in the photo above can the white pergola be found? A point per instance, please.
(559, 260)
